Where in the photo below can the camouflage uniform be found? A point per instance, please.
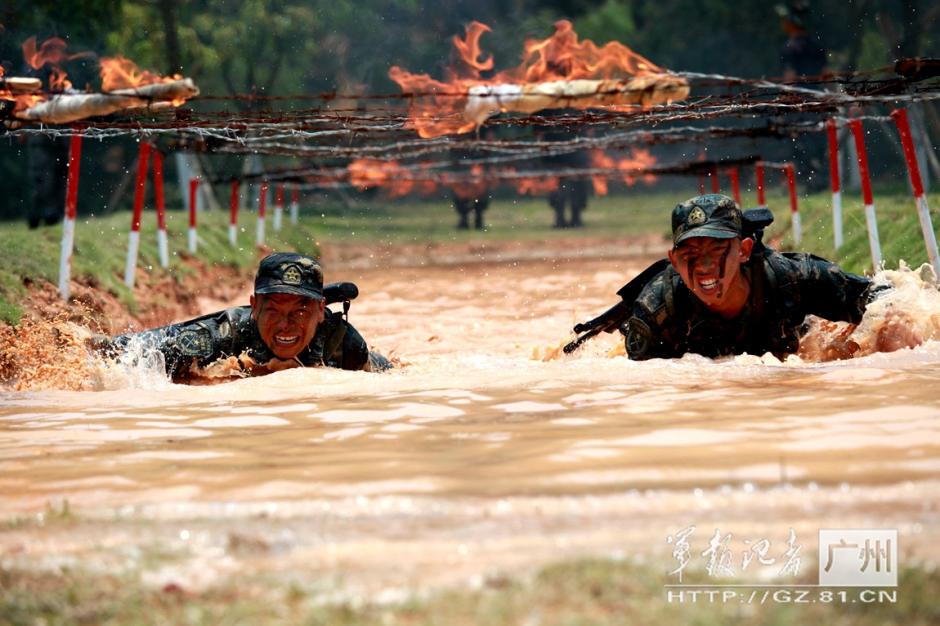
(668, 320)
(231, 332)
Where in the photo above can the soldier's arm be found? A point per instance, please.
(194, 341)
(644, 339)
(828, 291)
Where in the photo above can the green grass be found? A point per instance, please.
(101, 243)
(898, 228)
(589, 592)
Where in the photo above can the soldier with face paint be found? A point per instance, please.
(724, 295)
(286, 325)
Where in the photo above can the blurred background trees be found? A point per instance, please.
(291, 47)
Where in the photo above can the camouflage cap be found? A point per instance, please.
(712, 215)
(290, 272)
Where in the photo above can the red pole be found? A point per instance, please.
(279, 195)
(913, 169)
(735, 184)
(834, 181)
(133, 244)
(262, 210)
(295, 195)
(193, 199)
(162, 246)
(71, 211)
(874, 241)
(71, 197)
(715, 187)
(791, 184)
(139, 190)
(263, 200)
(859, 134)
(794, 207)
(759, 173)
(158, 189)
(233, 214)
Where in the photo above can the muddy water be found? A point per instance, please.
(473, 457)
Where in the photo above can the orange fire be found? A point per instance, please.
(630, 168)
(475, 187)
(122, 73)
(560, 57)
(534, 186)
(50, 52)
(390, 176)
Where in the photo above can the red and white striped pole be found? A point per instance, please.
(701, 184)
(735, 184)
(873, 241)
(715, 187)
(834, 180)
(162, 242)
(917, 184)
(133, 242)
(790, 170)
(759, 175)
(262, 209)
(294, 205)
(193, 200)
(278, 207)
(233, 215)
(71, 211)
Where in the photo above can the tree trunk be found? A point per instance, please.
(174, 58)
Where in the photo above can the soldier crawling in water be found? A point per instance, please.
(286, 325)
(722, 292)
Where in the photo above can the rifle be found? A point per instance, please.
(755, 221)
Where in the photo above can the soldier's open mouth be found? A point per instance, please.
(708, 284)
(286, 341)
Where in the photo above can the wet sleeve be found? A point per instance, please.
(194, 341)
(828, 291)
(644, 339)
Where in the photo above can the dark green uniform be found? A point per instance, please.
(668, 320)
(231, 332)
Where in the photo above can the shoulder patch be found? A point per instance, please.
(639, 337)
(194, 342)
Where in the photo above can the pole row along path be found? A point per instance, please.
(147, 153)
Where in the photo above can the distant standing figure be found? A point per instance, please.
(465, 205)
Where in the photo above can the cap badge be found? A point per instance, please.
(696, 217)
(292, 275)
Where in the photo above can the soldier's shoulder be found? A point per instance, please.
(659, 293)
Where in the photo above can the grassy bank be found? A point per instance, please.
(101, 242)
(596, 592)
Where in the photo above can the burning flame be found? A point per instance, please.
(630, 168)
(533, 186)
(51, 52)
(560, 57)
(396, 180)
(116, 73)
(122, 73)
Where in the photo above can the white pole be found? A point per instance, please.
(278, 217)
(163, 247)
(192, 240)
(294, 209)
(65, 259)
(873, 242)
(797, 228)
(930, 237)
(133, 245)
(259, 239)
(233, 234)
(837, 218)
